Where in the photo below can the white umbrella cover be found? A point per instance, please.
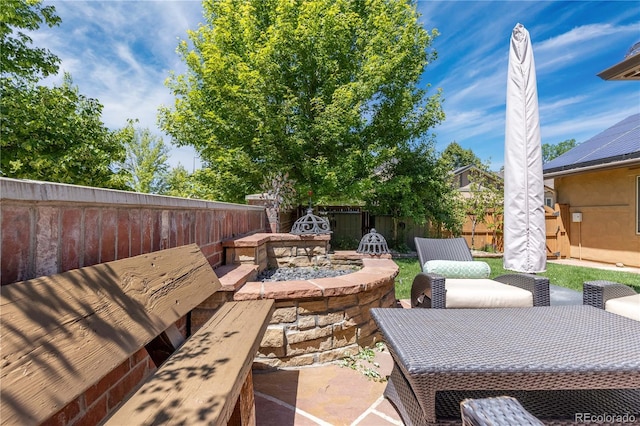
(524, 222)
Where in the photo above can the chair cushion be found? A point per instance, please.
(458, 269)
(628, 306)
(485, 293)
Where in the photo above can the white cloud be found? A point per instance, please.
(582, 34)
(120, 52)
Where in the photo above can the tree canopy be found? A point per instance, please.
(144, 168)
(18, 58)
(48, 133)
(454, 156)
(324, 90)
(551, 151)
(56, 135)
(415, 185)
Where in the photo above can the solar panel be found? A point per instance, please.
(618, 142)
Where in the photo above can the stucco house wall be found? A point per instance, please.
(608, 202)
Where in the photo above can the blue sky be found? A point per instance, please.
(121, 52)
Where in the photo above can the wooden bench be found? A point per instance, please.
(65, 335)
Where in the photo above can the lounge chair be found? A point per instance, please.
(613, 297)
(465, 290)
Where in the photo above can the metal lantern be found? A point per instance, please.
(310, 224)
(373, 243)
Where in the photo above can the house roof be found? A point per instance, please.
(627, 69)
(618, 144)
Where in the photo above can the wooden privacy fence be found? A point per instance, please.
(351, 223)
(557, 224)
(557, 233)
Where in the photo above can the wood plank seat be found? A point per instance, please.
(199, 383)
(64, 335)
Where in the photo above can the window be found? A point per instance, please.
(548, 201)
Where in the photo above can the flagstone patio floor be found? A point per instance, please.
(324, 395)
(334, 395)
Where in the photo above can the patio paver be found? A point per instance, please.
(334, 395)
(323, 395)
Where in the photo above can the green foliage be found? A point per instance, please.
(324, 90)
(454, 157)
(179, 183)
(413, 184)
(364, 362)
(56, 135)
(145, 166)
(399, 245)
(344, 243)
(18, 59)
(51, 134)
(549, 152)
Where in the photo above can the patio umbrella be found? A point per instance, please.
(524, 227)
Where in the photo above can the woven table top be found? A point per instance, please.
(548, 339)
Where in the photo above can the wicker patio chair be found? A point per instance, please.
(624, 299)
(457, 249)
(498, 411)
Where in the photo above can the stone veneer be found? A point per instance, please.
(320, 320)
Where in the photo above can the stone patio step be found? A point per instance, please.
(232, 277)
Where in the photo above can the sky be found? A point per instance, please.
(121, 53)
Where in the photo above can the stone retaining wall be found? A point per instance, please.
(315, 321)
(322, 320)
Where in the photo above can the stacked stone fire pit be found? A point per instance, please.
(316, 320)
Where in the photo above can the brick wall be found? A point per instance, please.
(49, 228)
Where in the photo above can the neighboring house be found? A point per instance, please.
(627, 69)
(549, 194)
(464, 176)
(484, 235)
(599, 180)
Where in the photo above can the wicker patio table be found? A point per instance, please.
(563, 363)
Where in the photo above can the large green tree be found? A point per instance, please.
(323, 90)
(56, 135)
(145, 167)
(414, 185)
(47, 133)
(454, 156)
(18, 58)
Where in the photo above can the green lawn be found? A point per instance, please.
(562, 275)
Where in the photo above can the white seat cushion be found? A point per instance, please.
(628, 306)
(485, 293)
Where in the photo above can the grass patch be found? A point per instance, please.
(561, 275)
(409, 268)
